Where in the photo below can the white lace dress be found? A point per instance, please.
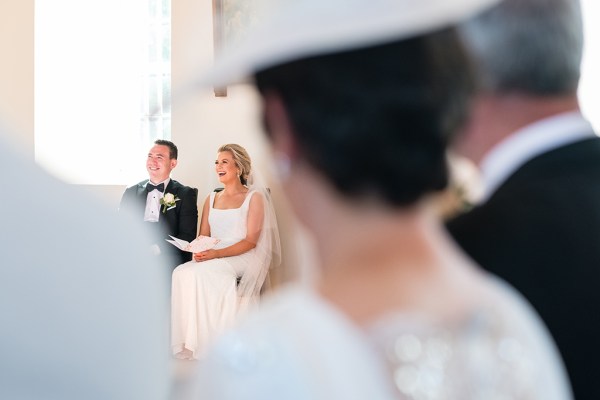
(299, 347)
(204, 300)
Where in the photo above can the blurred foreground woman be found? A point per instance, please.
(359, 113)
(83, 302)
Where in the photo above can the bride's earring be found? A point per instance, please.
(283, 165)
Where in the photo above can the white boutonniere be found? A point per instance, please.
(168, 201)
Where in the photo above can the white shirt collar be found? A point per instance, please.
(152, 211)
(528, 142)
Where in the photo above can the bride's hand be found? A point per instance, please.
(205, 255)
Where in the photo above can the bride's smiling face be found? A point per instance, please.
(225, 167)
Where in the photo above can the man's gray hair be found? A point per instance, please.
(528, 46)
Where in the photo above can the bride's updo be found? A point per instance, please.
(377, 121)
(241, 159)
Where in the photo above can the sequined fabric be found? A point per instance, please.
(299, 347)
(479, 357)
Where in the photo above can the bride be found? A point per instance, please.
(209, 291)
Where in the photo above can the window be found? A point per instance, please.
(589, 88)
(102, 86)
(156, 101)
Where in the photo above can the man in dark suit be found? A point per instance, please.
(538, 226)
(150, 200)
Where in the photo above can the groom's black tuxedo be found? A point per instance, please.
(540, 231)
(180, 221)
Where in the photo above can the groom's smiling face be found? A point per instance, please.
(159, 163)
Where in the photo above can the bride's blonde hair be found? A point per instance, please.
(241, 158)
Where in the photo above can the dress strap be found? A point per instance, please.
(212, 199)
(246, 202)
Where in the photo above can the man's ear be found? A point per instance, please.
(173, 163)
(279, 126)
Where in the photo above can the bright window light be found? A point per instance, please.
(102, 86)
(589, 89)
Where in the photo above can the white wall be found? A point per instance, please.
(202, 122)
(16, 72)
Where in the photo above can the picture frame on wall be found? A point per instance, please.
(231, 21)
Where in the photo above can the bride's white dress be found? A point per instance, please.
(204, 298)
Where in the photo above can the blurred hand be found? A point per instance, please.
(205, 255)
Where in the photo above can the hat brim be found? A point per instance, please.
(305, 28)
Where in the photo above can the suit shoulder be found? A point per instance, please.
(136, 185)
(133, 189)
(181, 186)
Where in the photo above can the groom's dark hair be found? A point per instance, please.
(172, 148)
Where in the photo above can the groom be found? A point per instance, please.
(166, 206)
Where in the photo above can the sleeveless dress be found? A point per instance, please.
(204, 299)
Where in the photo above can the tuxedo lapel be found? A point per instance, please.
(173, 188)
(142, 196)
(141, 189)
(169, 217)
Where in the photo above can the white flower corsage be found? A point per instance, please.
(168, 201)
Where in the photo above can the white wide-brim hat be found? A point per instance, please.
(293, 29)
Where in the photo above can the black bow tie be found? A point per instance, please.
(150, 187)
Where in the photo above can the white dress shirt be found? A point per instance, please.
(152, 212)
(528, 142)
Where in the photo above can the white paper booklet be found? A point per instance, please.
(201, 243)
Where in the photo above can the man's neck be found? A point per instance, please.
(495, 117)
(166, 180)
